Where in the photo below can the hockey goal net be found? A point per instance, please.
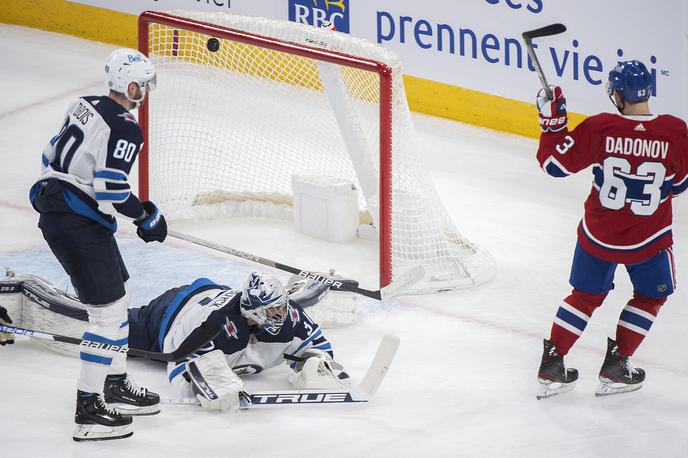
(244, 103)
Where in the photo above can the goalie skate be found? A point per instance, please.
(617, 374)
(553, 377)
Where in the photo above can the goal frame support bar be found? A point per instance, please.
(386, 92)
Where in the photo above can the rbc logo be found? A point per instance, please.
(332, 14)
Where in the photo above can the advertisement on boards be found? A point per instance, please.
(476, 44)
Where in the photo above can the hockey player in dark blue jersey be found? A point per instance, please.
(83, 185)
(255, 328)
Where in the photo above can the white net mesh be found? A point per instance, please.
(229, 128)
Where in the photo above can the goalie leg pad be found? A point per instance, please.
(216, 386)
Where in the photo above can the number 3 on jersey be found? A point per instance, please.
(642, 190)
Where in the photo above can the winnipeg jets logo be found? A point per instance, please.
(128, 117)
(294, 316)
(230, 329)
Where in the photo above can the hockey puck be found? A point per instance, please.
(213, 44)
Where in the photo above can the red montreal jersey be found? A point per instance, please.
(639, 163)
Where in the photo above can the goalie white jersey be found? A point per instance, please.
(169, 320)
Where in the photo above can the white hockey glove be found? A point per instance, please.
(217, 387)
(318, 371)
(5, 337)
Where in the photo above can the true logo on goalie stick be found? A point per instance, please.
(332, 14)
(301, 398)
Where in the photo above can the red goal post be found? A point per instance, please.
(383, 71)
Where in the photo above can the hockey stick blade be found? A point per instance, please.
(164, 357)
(552, 29)
(362, 393)
(404, 281)
(378, 368)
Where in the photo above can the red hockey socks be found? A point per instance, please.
(635, 322)
(572, 318)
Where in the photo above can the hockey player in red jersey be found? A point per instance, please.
(639, 163)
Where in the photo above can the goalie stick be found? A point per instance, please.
(553, 29)
(405, 280)
(362, 393)
(175, 356)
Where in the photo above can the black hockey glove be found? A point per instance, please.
(153, 227)
(5, 337)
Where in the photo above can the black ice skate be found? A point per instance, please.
(553, 377)
(617, 375)
(126, 396)
(96, 421)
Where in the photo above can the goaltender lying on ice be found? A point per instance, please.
(260, 327)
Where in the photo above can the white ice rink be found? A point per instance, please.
(464, 381)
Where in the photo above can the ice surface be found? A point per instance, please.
(464, 380)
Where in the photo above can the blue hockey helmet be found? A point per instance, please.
(631, 80)
(265, 301)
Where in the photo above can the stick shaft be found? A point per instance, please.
(552, 29)
(277, 265)
(166, 357)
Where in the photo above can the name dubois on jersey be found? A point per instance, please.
(638, 147)
(82, 113)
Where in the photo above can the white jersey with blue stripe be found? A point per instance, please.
(94, 152)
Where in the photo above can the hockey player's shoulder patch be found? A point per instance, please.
(128, 117)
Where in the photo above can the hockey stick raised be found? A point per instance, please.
(405, 280)
(177, 355)
(553, 29)
(362, 393)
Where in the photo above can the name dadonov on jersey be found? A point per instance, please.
(638, 147)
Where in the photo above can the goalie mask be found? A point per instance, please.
(265, 301)
(125, 66)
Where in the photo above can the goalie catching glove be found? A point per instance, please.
(553, 116)
(216, 386)
(316, 370)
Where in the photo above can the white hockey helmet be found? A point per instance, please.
(265, 301)
(124, 66)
